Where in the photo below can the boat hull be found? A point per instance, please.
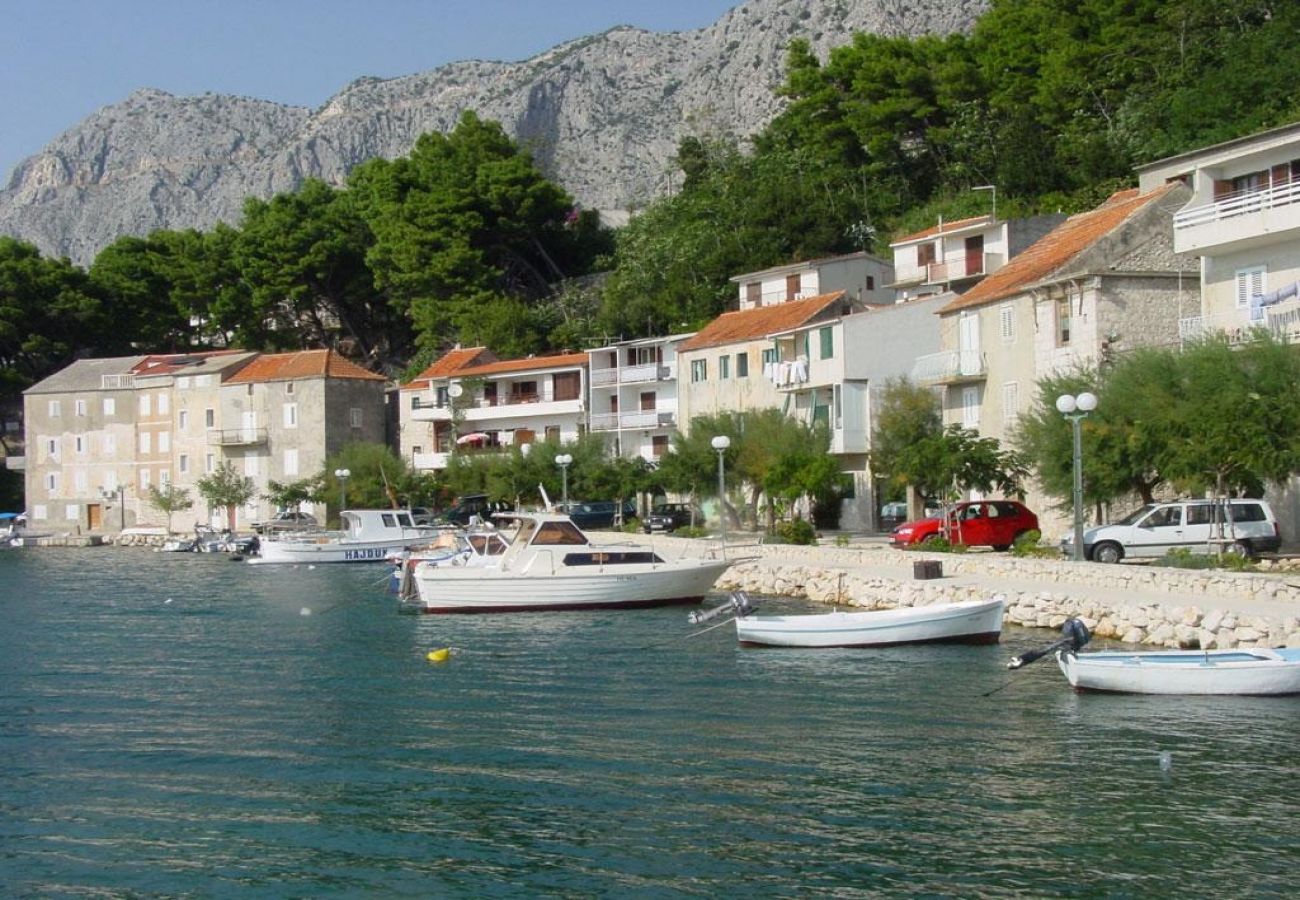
(329, 551)
(445, 590)
(1253, 672)
(969, 622)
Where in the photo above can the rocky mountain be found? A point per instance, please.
(602, 115)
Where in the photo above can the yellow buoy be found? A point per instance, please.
(441, 655)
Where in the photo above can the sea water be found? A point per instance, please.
(189, 725)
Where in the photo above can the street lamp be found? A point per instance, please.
(721, 443)
(1076, 408)
(563, 461)
(342, 476)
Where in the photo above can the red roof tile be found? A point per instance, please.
(500, 367)
(943, 228)
(1062, 244)
(450, 362)
(750, 324)
(303, 364)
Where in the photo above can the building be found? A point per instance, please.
(954, 256)
(633, 403)
(1242, 220)
(463, 402)
(862, 278)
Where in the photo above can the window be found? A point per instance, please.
(80, 407)
(1250, 283)
(252, 466)
(52, 447)
(699, 370)
(183, 463)
(209, 418)
(79, 444)
(79, 481)
(1010, 402)
(724, 366)
(291, 462)
(110, 406)
(658, 445)
(769, 356)
(827, 338)
(1062, 321)
(648, 400)
(72, 512)
(39, 512)
(145, 404)
(970, 407)
(183, 419)
(209, 464)
(110, 444)
(742, 365)
(146, 442)
(291, 415)
(871, 282)
(165, 477)
(754, 293)
(1007, 323)
(52, 482)
(55, 409)
(183, 383)
(110, 481)
(145, 479)
(553, 433)
(163, 405)
(288, 388)
(793, 284)
(354, 415)
(164, 441)
(925, 254)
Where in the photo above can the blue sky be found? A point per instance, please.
(60, 60)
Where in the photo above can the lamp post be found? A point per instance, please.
(1076, 408)
(721, 443)
(342, 476)
(563, 461)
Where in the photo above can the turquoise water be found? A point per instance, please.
(180, 725)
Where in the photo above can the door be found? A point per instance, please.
(975, 255)
(968, 344)
(1158, 533)
(94, 516)
(248, 425)
(973, 527)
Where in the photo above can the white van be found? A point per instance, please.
(1245, 527)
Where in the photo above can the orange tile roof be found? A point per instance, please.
(303, 364)
(500, 367)
(750, 324)
(944, 228)
(1062, 244)
(450, 362)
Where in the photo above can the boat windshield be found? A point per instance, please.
(559, 533)
(1135, 515)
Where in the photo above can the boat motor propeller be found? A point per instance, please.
(739, 604)
(1076, 635)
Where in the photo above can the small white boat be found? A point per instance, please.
(477, 546)
(1246, 671)
(1249, 671)
(967, 622)
(368, 535)
(551, 565)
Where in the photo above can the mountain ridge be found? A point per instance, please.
(602, 114)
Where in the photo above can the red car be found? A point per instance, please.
(975, 523)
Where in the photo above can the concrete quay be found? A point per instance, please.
(1136, 604)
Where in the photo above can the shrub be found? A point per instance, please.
(797, 532)
(691, 531)
(1182, 558)
(1027, 545)
(939, 544)
(841, 540)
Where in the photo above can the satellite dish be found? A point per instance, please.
(455, 391)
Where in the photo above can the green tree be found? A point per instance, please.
(377, 478)
(908, 414)
(226, 489)
(292, 495)
(170, 499)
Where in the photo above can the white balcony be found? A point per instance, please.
(424, 462)
(640, 374)
(1282, 321)
(849, 441)
(532, 406)
(950, 367)
(645, 419)
(1240, 220)
(953, 267)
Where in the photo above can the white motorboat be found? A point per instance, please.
(1245, 671)
(476, 546)
(967, 622)
(368, 535)
(551, 565)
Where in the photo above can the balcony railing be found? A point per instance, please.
(950, 367)
(631, 374)
(1283, 322)
(237, 437)
(951, 268)
(646, 418)
(1239, 204)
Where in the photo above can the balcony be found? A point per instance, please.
(1282, 321)
(489, 409)
(950, 367)
(236, 437)
(644, 419)
(953, 267)
(424, 462)
(16, 463)
(632, 374)
(1240, 220)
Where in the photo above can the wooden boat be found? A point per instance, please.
(967, 622)
(368, 535)
(551, 565)
(1246, 671)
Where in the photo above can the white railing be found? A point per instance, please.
(660, 417)
(949, 365)
(604, 376)
(631, 374)
(953, 266)
(1239, 204)
(427, 461)
(1282, 322)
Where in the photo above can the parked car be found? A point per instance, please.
(597, 513)
(286, 520)
(470, 505)
(667, 517)
(892, 515)
(1245, 527)
(975, 523)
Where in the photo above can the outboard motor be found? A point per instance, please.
(739, 604)
(1076, 635)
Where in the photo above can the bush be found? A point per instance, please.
(797, 532)
(1181, 558)
(631, 526)
(691, 531)
(938, 544)
(841, 540)
(1027, 545)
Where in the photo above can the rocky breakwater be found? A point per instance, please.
(1149, 605)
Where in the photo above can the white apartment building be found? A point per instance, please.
(634, 395)
(862, 277)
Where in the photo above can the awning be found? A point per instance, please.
(474, 437)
